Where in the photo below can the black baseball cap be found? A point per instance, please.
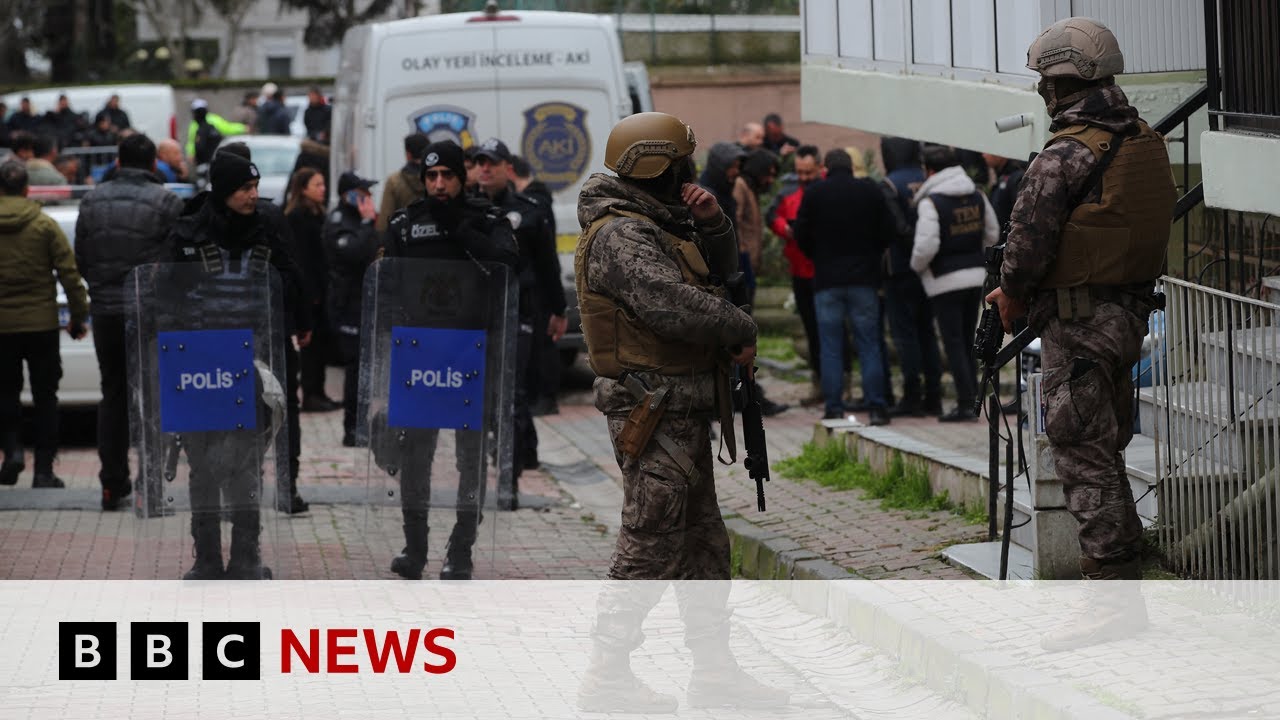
(351, 181)
(494, 149)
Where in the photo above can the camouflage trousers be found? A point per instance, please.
(1088, 397)
(671, 527)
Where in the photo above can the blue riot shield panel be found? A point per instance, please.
(436, 387)
(207, 418)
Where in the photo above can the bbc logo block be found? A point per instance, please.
(160, 651)
(86, 651)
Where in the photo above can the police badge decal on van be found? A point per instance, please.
(445, 122)
(556, 144)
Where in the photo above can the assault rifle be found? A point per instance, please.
(747, 398)
(991, 332)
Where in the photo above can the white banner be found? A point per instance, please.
(548, 649)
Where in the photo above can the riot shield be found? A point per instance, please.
(437, 381)
(207, 417)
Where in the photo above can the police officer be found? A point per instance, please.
(225, 224)
(1087, 240)
(540, 289)
(445, 225)
(351, 243)
(297, 321)
(660, 331)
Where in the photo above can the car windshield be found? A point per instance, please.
(275, 160)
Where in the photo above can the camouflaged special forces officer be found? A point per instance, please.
(661, 335)
(1086, 243)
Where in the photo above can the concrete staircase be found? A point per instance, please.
(1218, 430)
(1043, 542)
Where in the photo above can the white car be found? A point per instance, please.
(274, 155)
(80, 384)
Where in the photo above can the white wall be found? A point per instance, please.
(945, 70)
(990, 37)
(267, 31)
(1240, 172)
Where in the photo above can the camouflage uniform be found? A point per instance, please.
(671, 524)
(1088, 388)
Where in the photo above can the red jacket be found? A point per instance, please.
(788, 208)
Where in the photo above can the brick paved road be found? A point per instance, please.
(61, 533)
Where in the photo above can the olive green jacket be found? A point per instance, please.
(32, 249)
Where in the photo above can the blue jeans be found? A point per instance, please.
(860, 306)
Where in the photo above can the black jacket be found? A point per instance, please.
(844, 225)
(122, 224)
(539, 270)
(307, 229)
(350, 246)
(273, 118)
(466, 229)
(1005, 193)
(119, 118)
(317, 119)
(715, 179)
(203, 222)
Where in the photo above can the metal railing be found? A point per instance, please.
(1244, 80)
(1215, 411)
(94, 161)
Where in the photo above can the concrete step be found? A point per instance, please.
(1024, 532)
(1207, 430)
(1251, 358)
(984, 559)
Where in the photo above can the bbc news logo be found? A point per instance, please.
(233, 651)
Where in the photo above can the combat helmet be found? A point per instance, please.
(644, 145)
(1077, 47)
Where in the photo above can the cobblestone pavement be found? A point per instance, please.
(839, 525)
(63, 534)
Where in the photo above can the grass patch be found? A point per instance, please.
(902, 487)
(974, 514)
(776, 347)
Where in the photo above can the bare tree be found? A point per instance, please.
(20, 31)
(234, 13)
(327, 20)
(170, 19)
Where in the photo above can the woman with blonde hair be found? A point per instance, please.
(304, 210)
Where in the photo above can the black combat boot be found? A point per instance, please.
(246, 553)
(410, 562)
(457, 563)
(207, 549)
(14, 463)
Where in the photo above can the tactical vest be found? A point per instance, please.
(1121, 239)
(960, 231)
(616, 341)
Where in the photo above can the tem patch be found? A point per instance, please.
(445, 122)
(556, 143)
(207, 380)
(437, 378)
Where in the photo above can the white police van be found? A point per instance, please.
(550, 85)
